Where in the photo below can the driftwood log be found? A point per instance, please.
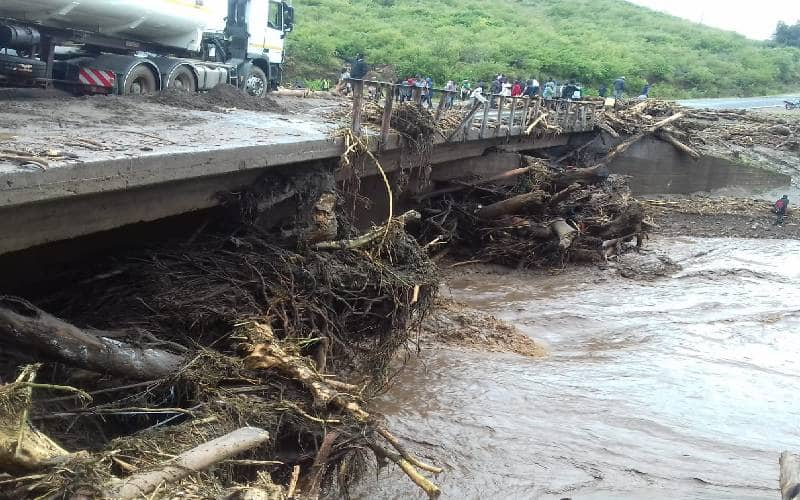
(589, 175)
(522, 203)
(565, 233)
(790, 476)
(451, 189)
(195, 460)
(669, 138)
(369, 236)
(26, 327)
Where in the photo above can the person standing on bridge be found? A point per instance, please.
(343, 86)
(619, 87)
(477, 95)
(429, 94)
(496, 89)
(516, 90)
(645, 91)
(603, 90)
(450, 94)
(466, 90)
(359, 69)
(549, 90)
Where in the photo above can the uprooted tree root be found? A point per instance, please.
(547, 218)
(292, 343)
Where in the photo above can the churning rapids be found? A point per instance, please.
(684, 387)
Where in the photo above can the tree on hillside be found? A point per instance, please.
(788, 35)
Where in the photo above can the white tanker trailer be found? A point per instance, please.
(138, 46)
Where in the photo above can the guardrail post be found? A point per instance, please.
(526, 103)
(386, 121)
(500, 102)
(485, 118)
(513, 112)
(442, 101)
(358, 93)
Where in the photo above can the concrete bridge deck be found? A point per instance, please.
(116, 161)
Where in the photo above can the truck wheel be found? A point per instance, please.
(256, 84)
(140, 81)
(22, 67)
(183, 79)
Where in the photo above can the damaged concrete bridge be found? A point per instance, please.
(107, 162)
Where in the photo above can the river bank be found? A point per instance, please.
(722, 217)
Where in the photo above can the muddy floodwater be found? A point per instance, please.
(685, 387)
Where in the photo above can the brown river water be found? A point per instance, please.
(681, 388)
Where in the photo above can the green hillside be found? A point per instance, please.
(588, 40)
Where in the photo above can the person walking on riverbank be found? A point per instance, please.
(781, 207)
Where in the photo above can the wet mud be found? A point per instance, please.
(676, 387)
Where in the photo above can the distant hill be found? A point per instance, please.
(587, 40)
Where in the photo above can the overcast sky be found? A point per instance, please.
(755, 20)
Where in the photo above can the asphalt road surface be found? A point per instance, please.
(738, 102)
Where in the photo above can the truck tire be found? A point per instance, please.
(256, 84)
(140, 80)
(22, 67)
(183, 79)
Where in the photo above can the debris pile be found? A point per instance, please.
(547, 217)
(229, 365)
(220, 99)
(720, 132)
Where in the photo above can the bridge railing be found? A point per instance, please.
(498, 117)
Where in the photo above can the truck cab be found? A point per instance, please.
(133, 46)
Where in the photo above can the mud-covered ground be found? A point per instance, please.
(66, 130)
(724, 217)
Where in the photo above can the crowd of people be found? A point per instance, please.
(422, 88)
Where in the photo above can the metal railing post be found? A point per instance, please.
(358, 93)
(526, 103)
(386, 121)
(513, 112)
(500, 104)
(440, 107)
(486, 106)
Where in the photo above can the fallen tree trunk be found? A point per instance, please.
(25, 326)
(589, 175)
(195, 460)
(565, 233)
(369, 236)
(623, 146)
(790, 476)
(667, 137)
(519, 204)
(627, 222)
(451, 189)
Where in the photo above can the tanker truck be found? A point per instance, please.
(143, 46)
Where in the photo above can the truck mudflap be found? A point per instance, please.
(96, 80)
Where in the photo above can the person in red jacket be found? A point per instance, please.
(781, 207)
(516, 90)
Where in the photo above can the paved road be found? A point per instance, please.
(738, 102)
